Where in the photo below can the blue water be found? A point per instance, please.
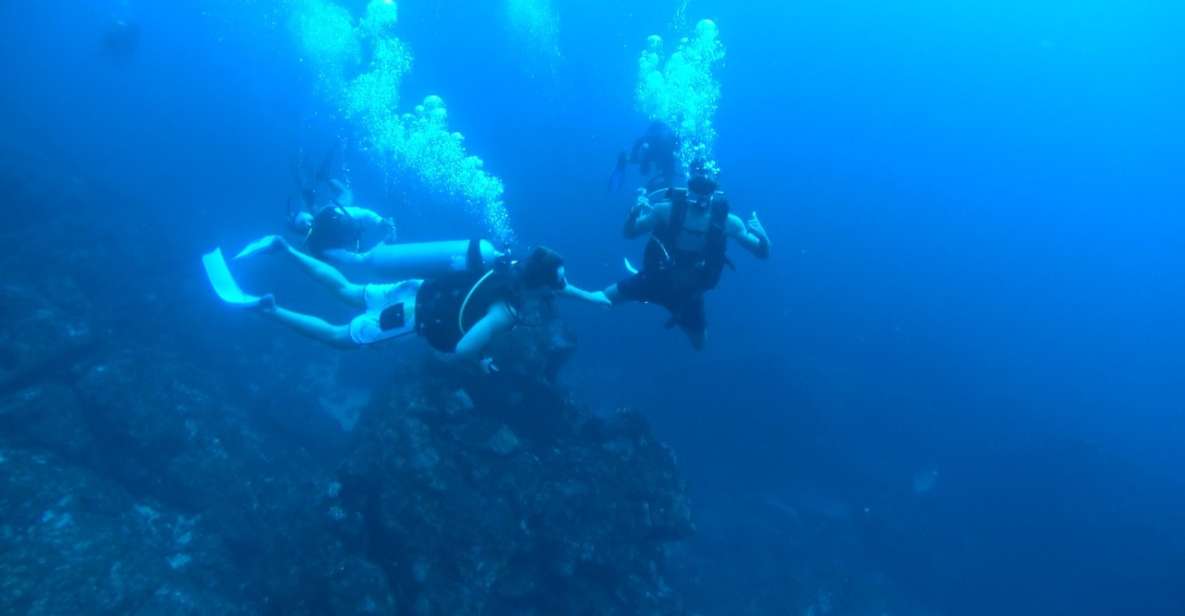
(977, 268)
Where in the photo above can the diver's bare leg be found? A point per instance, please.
(345, 257)
(327, 275)
(334, 335)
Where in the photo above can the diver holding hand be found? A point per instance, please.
(458, 313)
(686, 254)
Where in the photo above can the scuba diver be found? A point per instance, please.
(655, 153)
(689, 230)
(335, 230)
(458, 314)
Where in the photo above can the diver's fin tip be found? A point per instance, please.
(223, 282)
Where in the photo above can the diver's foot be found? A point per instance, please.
(266, 304)
(262, 246)
(274, 244)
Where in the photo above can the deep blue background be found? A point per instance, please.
(977, 226)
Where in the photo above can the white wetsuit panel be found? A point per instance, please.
(367, 328)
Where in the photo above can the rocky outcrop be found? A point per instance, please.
(144, 470)
(469, 507)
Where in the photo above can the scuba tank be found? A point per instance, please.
(432, 259)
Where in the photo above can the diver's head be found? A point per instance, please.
(701, 178)
(302, 223)
(542, 269)
(340, 193)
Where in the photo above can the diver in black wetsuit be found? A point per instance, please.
(458, 314)
(655, 153)
(334, 231)
(689, 230)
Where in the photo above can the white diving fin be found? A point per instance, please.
(224, 284)
(629, 267)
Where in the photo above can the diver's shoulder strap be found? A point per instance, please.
(679, 202)
(720, 209)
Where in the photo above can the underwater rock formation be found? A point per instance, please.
(470, 504)
(147, 470)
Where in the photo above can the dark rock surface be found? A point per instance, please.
(145, 469)
(466, 515)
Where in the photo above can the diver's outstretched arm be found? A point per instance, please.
(751, 236)
(498, 319)
(644, 217)
(334, 335)
(373, 220)
(593, 297)
(365, 216)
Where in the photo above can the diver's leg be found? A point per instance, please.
(342, 256)
(693, 321)
(327, 275)
(313, 327)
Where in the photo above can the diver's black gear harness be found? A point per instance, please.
(449, 306)
(697, 269)
(334, 227)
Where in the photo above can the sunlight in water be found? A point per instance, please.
(535, 27)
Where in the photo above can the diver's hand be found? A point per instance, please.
(488, 366)
(599, 298)
(756, 228)
(641, 206)
(274, 244)
(642, 202)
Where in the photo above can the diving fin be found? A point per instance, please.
(224, 284)
(629, 267)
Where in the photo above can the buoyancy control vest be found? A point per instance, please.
(448, 306)
(702, 268)
(333, 227)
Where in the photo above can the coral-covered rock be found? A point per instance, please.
(466, 515)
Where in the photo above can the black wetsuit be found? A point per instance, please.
(333, 228)
(447, 307)
(677, 279)
(440, 301)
